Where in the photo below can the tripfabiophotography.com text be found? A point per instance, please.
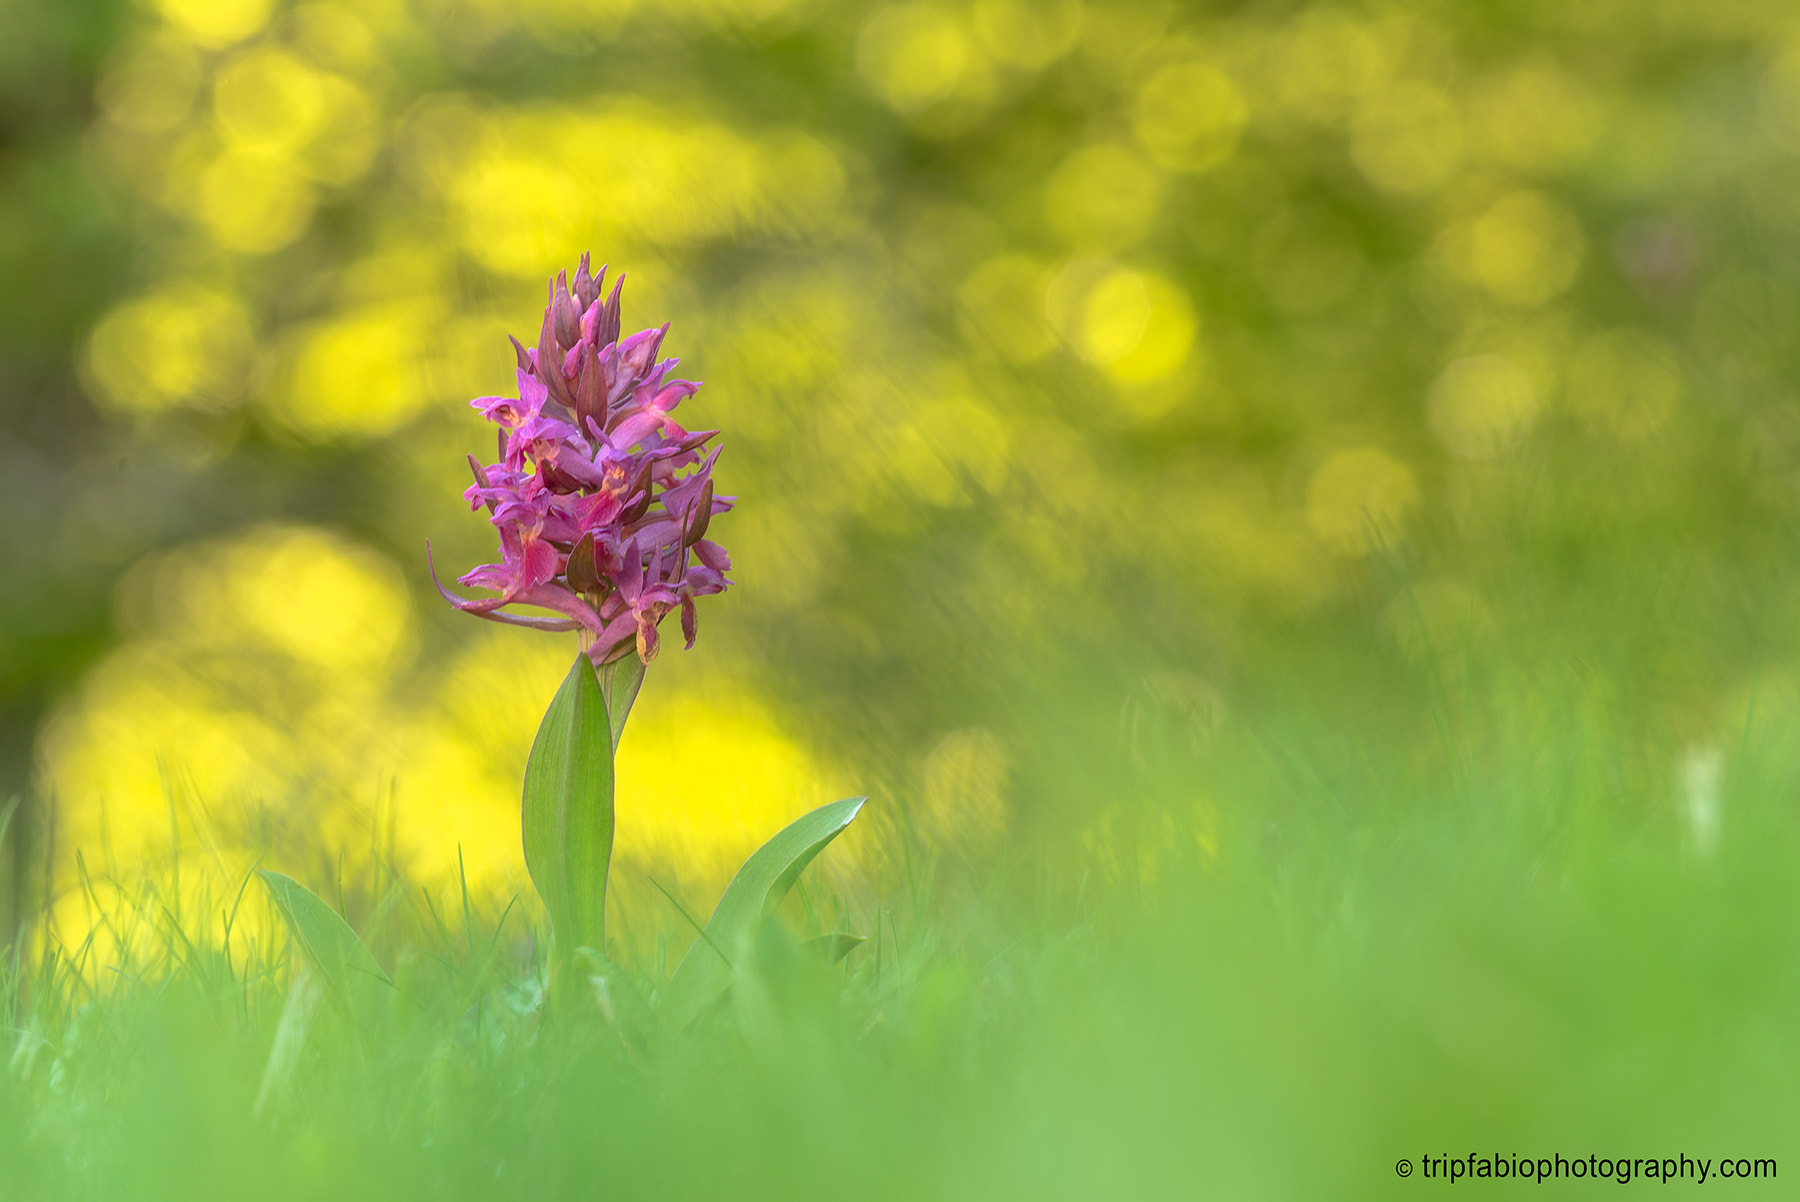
(1623, 1169)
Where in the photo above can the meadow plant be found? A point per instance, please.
(602, 502)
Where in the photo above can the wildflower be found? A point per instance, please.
(600, 518)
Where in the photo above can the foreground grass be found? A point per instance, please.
(1515, 946)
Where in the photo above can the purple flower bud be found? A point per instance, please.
(599, 496)
(601, 325)
(586, 287)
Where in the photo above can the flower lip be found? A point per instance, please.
(598, 495)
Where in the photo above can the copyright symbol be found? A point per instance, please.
(1404, 1168)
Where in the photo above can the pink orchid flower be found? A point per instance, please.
(600, 498)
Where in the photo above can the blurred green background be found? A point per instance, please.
(1094, 377)
(1289, 509)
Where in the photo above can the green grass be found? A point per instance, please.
(1500, 936)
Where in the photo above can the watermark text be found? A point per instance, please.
(1623, 1169)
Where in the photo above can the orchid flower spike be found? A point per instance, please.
(601, 500)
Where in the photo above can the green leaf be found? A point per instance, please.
(755, 891)
(834, 947)
(341, 960)
(567, 812)
(619, 683)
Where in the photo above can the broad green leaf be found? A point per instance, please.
(341, 959)
(619, 683)
(756, 890)
(567, 812)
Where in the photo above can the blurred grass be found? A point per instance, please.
(1389, 959)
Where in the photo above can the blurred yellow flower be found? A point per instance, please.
(255, 676)
(628, 174)
(914, 54)
(1103, 198)
(1408, 139)
(362, 374)
(1534, 118)
(1359, 499)
(1189, 116)
(268, 101)
(704, 777)
(187, 344)
(1324, 59)
(216, 22)
(252, 204)
(271, 104)
(1525, 249)
(317, 600)
(1482, 406)
(1138, 326)
(1028, 33)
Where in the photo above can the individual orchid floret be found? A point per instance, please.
(601, 499)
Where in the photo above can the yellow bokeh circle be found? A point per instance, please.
(186, 345)
(1189, 116)
(1525, 249)
(1409, 139)
(1103, 198)
(1138, 326)
(913, 55)
(1482, 406)
(1360, 498)
(216, 22)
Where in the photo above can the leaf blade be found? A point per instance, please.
(833, 947)
(620, 682)
(566, 811)
(758, 888)
(336, 952)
